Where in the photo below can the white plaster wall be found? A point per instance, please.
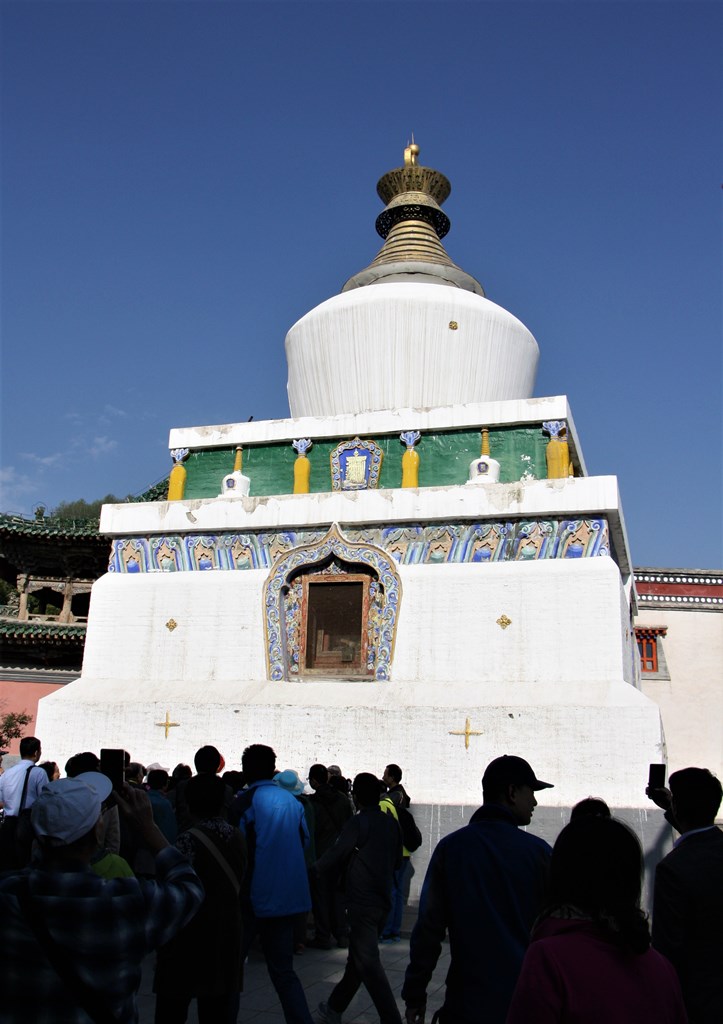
(691, 702)
(565, 623)
(565, 626)
(390, 346)
(550, 687)
(218, 638)
(602, 749)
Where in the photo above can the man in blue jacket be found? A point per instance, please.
(273, 823)
(485, 885)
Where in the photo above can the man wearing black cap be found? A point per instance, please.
(688, 900)
(485, 885)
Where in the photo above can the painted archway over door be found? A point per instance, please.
(287, 608)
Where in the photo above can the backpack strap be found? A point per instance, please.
(218, 857)
(24, 796)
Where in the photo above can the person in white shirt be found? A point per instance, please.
(20, 786)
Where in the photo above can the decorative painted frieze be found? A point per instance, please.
(415, 544)
(445, 461)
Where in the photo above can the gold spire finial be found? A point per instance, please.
(485, 441)
(411, 153)
(412, 225)
(238, 460)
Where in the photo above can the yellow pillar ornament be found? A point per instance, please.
(177, 477)
(557, 453)
(410, 459)
(302, 466)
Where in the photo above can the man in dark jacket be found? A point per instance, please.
(368, 850)
(485, 885)
(331, 812)
(204, 961)
(688, 899)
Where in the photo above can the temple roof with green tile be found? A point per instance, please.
(52, 547)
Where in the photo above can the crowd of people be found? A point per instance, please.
(197, 863)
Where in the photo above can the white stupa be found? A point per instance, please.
(374, 598)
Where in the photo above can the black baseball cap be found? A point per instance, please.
(510, 770)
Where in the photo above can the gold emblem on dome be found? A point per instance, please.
(171, 625)
(503, 622)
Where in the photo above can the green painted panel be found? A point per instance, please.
(444, 460)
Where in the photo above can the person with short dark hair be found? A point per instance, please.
(392, 779)
(590, 957)
(78, 764)
(29, 748)
(208, 760)
(590, 807)
(394, 801)
(72, 944)
(331, 811)
(20, 787)
(51, 769)
(204, 960)
(182, 772)
(688, 894)
(484, 886)
(134, 773)
(274, 825)
(234, 780)
(318, 776)
(369, 848)
(163, 814)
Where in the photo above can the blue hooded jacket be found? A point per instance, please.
(274, 824)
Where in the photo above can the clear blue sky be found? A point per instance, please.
(182, 181)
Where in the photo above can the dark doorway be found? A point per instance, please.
(335, 640)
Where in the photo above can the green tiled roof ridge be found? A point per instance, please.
(41, 629)
(49, 526)
(156, 492)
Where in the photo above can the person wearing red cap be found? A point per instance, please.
(484, 886)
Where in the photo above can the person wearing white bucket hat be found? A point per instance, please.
(72, 944)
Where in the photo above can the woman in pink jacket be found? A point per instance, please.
(590, 959)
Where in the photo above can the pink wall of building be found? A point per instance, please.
(22, 695)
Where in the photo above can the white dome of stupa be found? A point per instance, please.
(412, 330)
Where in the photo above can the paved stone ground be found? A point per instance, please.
(318, 971)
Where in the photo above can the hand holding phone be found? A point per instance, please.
(656, 789)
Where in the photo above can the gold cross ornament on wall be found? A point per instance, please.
(466, 732)
(168, 724)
